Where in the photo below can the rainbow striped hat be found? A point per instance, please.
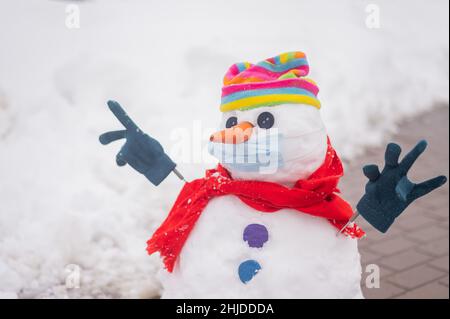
(274, 81)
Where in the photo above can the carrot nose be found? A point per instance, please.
(237, 134)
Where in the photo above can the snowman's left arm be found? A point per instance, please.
(390, 192)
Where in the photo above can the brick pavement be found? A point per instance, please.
(414, 255)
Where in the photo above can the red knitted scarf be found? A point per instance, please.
(315, 196)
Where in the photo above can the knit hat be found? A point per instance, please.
(274, 81)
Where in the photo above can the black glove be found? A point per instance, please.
(389, 193)
(141, 151)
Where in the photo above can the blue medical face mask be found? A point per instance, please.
(261, 153)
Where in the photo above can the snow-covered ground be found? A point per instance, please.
(62, 199)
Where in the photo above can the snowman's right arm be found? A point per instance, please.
(389, 191)
(140, 151)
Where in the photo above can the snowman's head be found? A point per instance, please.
(271, 128)
(281, 144)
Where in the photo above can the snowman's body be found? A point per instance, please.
(303, 257)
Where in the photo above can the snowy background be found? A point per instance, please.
(63, 201)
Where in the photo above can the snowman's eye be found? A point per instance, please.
(266, 120)
(232, 121)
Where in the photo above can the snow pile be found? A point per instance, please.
(64, 202)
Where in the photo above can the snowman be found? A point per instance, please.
(268, 221)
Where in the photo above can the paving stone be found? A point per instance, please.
(437, 248)
(444, 281)
(404, 260)
(432, 290)
(427, 234)
(439, 214)
(414, 221)
(416, 276)
(376, 236)
(392, 246)
(385, 271)
(386, 290)
(444, 224)
(437, 206)
(368, 257)
(440, 263)
(364, 243)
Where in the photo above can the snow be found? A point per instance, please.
(64, 201)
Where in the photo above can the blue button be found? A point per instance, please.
(248, 269)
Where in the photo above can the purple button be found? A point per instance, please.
(256, 235)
